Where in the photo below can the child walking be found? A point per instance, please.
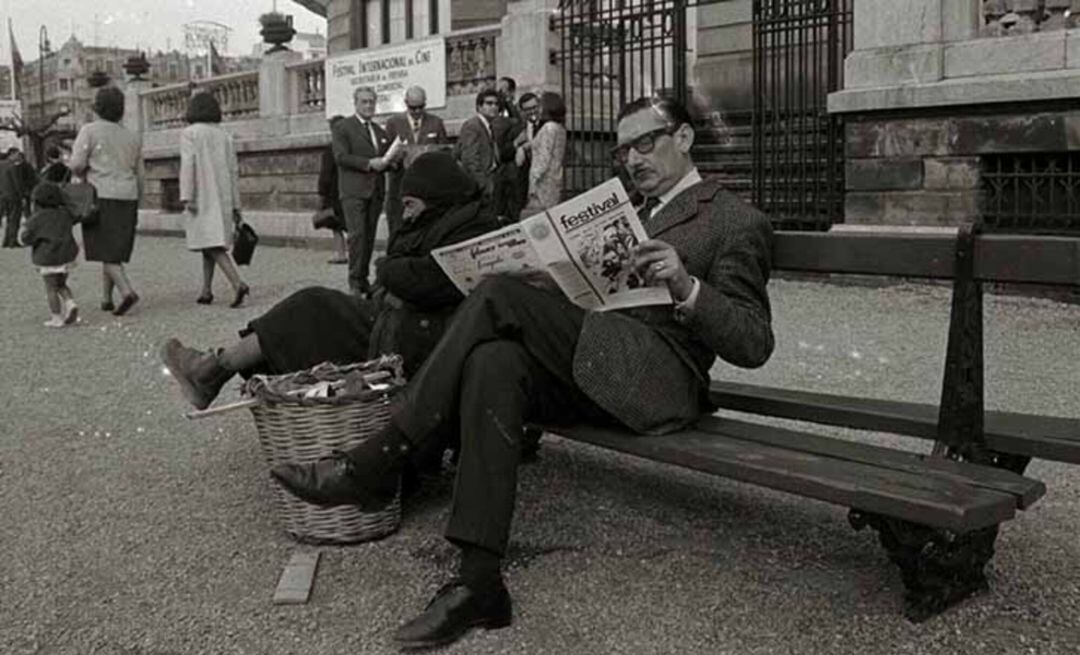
(48, 232)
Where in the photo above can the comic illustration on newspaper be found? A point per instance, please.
(586, 244)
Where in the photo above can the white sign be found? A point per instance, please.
(389, 70)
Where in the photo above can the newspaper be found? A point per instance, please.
(585, 244)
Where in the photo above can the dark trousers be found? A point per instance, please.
(507, 192)
(394, 208)
(12, 210)
(506, 359)
(361, 221)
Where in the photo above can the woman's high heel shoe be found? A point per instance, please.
(241, 292)
(205, 299)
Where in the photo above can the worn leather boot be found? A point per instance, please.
(200, 374)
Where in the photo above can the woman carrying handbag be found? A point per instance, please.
(210, 191)
(110, 158)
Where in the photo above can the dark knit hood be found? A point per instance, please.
(438, 180)
(47, 194)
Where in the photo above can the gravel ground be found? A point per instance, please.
(127, 529)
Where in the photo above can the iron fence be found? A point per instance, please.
(1031, 192)
(799, 48)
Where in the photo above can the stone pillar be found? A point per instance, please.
(526, 43)
(134, 116)
(274, 91)
(896, 42)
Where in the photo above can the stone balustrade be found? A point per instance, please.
(470, 60)
(1012, 17)
(237, 93)
(307, 79)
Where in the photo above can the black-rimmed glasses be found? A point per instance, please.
(644, 144)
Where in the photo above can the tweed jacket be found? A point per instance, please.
(432, 130)
(475, 151)
(661, 364)
(353, 150)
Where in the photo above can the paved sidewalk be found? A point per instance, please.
(127, 529)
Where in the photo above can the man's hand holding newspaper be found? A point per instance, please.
(589, 247)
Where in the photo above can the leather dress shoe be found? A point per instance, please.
(456, 609)
(335, 480)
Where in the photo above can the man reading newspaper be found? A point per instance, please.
(516, 353)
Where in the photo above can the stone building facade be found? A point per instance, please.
(962, 108)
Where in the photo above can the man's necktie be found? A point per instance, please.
(646, 211)
(371, 135)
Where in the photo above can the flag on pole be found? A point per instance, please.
(16, 64)
(217, 64)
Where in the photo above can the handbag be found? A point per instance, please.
(81, 201)
(244, 243)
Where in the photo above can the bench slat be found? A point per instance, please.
(928, 497)
(1044, 437)
(998, 257)
(1025, 490)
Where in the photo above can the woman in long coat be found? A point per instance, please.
(110, 157)
(548, 152)
(210, 191)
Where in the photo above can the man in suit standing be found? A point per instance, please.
(415, 127)
(518, 353)
(359, 144)
(476, 146)
(18, 180)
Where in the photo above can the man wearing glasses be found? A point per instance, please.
(415, 127)
(518, 353)
(477, 149)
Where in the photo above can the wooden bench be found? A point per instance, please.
(937, 514)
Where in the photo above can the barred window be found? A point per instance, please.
(1032, 192)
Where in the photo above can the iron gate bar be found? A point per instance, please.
(798, 51)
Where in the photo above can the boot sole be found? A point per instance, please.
(427, 644)
(190, 393)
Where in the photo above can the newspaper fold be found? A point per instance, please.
(585, 244)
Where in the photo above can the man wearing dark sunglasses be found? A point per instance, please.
(517, 353)
(415, 127)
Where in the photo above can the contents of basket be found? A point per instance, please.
(303, 416)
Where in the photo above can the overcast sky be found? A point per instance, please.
(148, 24)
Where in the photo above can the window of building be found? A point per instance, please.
(64, 85)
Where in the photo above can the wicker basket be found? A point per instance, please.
(293, 428)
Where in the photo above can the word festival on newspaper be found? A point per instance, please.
(572, 221)
(586, 245)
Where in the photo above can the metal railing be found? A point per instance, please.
(1031, 192)
(798, 167)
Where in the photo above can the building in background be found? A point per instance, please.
(66, 73)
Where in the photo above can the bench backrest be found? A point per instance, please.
(967, 258)
(1019, 259)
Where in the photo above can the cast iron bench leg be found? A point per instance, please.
(939, 568)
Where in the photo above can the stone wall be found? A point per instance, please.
(274, 180)
(926, 170)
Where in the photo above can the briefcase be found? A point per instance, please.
(244, 244)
